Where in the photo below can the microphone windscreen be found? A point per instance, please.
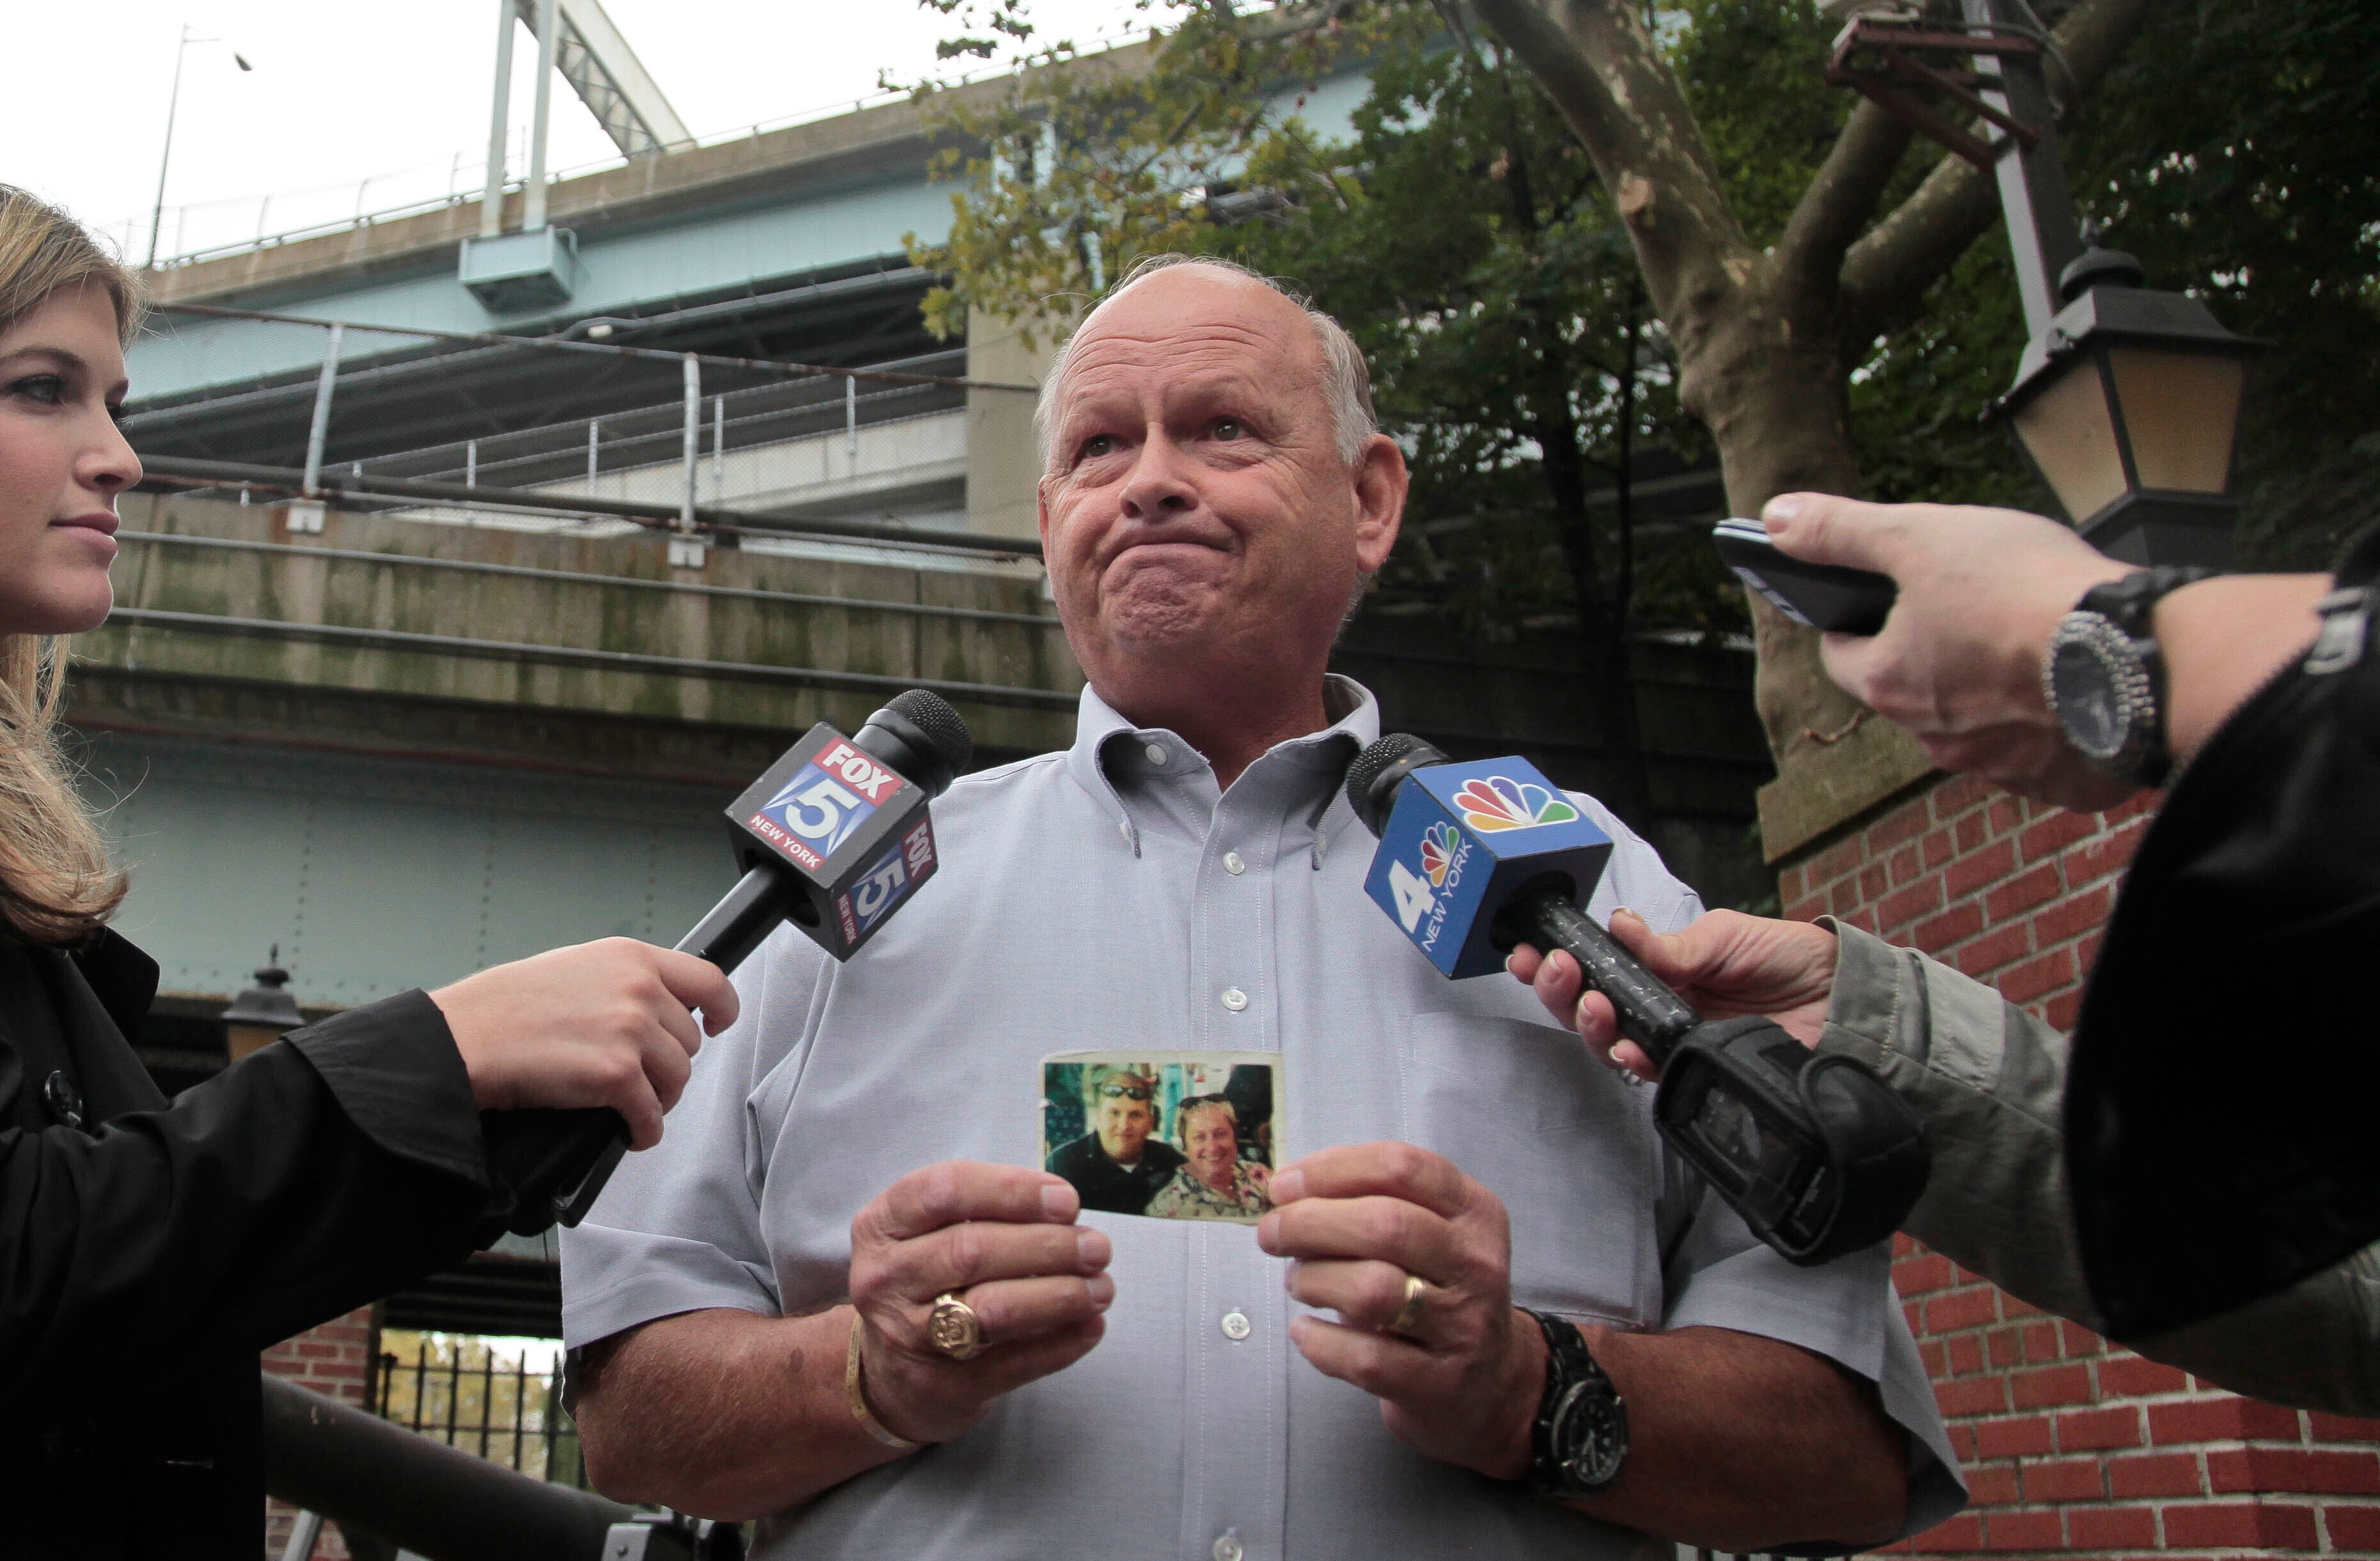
(943, 727)
(1365, 772)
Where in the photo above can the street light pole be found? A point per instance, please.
(172, 104)
(2042, 235)
(166, 160)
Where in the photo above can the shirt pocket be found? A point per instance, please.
(1521, 1110)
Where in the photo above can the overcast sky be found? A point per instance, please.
(354, 106)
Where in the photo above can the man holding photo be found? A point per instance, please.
(847, 1299)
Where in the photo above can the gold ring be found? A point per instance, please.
(954, 1328)
(1410, 1312)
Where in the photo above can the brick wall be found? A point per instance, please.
(330, 1359)
(2069, 1443)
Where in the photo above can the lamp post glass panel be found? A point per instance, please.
(263, 1013)
(2128, 407)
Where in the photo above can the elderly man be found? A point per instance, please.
(1512, 1325)
(1115, 1168)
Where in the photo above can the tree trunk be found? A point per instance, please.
(1772, 395)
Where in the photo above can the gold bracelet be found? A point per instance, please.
(856, 1397)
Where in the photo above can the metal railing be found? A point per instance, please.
(873, 453)
(469, 1397)
(133, 232)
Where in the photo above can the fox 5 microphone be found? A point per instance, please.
(1815, 1153)
(833, 837)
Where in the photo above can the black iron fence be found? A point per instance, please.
(461, 1392)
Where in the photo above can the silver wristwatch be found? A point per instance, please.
(2104, 675)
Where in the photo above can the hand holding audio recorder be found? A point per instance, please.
(1823, 596)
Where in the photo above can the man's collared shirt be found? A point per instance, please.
(1108, 898)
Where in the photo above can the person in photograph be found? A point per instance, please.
(1214, 1182)
(1119, 1164)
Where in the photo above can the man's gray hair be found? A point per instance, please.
(1346, 384)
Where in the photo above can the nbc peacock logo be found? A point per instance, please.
(1438, 852)
(1500, 802)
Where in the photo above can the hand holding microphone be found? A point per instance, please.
(834, 838)
(1817, 1154)
(610, 1023)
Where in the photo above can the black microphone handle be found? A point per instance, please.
(742, 922)
(1650, 1013)
(573, 1151)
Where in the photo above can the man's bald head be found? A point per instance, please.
(1346, 384)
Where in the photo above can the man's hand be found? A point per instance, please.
(1959, 663)
(1004, 1240)
(604, 1024)
(1726, 963)
(1462, 1383)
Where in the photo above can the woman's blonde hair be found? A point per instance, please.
(57, 883)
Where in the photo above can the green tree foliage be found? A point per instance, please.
(2235, 149)
(1083, 166)
(1475, 255)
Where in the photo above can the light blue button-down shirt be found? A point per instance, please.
(1088, 900)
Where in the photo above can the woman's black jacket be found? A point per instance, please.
(150, 1249)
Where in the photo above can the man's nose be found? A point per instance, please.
(1160, 484)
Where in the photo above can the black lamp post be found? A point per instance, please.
(263, 1013)
(2127, 401)
(2128, 407)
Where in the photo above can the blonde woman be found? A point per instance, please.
(1213, 1182)
(149, 1249)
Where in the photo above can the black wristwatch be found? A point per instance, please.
(1580, 1438)
(2104, 677)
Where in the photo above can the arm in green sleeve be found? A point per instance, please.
(1989, 1080)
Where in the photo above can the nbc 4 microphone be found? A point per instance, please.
(833, 837)
(1818, 1156)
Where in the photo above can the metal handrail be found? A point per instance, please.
(583, 655)
(585, 577)
(326, 1456)
(239, 475)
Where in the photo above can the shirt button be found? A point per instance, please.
(1228, 1548)
(1157, 754)
(63, 1101)
(1235, 863)
(1236, 1325)
(1123, 827)
(1234, 999)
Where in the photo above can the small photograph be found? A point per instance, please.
(1167, 1135)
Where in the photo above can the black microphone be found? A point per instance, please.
(1815, 1153)
(835, 837)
